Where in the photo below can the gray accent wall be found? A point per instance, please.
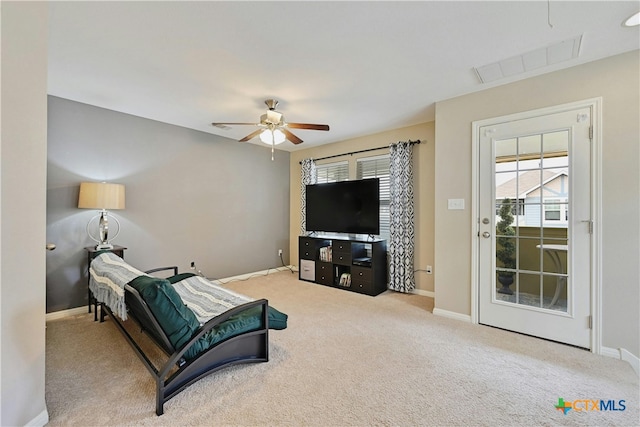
(190, 196)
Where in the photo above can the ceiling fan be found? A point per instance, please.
(273, 128)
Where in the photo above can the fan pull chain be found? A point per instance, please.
(273, 144)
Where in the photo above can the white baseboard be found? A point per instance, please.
(610, 352)
(41, 420)
(623, 354)
(452, 315)
(632, 359)
(66, 313)
(429, 294)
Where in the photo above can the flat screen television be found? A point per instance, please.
(344, 207)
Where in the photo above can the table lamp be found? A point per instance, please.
(103, 196)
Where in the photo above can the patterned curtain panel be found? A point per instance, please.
(309, 176)
(402, 228)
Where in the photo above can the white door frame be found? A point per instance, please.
(596, 209)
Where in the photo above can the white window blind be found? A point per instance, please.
(332, 172)
(378, 167)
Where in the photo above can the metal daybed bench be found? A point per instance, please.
(176, 314)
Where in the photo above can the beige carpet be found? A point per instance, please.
(345, 359)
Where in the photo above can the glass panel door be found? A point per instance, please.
(532, 205)
(534, 215)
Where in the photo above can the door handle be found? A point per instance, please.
(486, 234)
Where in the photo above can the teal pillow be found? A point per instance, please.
(176, 319)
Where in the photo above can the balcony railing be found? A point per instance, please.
(533, 263)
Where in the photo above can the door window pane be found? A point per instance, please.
(532, 209)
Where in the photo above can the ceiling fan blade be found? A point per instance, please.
(233, 124)
(291, 137)
(251, 135)
(307, 126)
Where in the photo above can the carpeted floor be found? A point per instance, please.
(345, 360)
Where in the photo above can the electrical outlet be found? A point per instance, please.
(193, 265)
(279, 252)
(429, 269)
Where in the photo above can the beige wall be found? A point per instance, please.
(423, 155)
(444, 236)
(22, 215)
(615, 80)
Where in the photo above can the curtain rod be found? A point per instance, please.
(360, 151)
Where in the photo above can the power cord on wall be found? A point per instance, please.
(268, 271)
(283, 264)
(194, 268)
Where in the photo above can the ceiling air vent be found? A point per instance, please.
(535, 59)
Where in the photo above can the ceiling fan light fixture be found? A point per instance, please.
(273, 129)
(277, 135)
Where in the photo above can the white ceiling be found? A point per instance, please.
(360, 67)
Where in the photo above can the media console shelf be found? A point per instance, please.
(350, 264)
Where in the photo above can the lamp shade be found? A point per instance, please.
(101, 195)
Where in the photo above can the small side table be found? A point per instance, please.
(92, 252)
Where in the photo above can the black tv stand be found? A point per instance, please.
(344, 262)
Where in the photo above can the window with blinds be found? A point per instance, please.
(378, 167)
(332, 172)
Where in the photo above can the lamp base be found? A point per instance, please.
(103, 227)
